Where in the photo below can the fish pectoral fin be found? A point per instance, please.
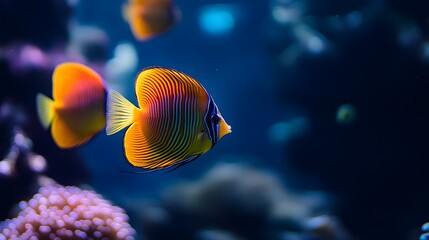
(120, 113)
(45, 109)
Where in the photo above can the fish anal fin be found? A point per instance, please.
(65, 137)
(45, 109)
(136, 146)
(140, 153)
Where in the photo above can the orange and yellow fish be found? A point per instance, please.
(77, 111)
(176, 121)
(149, 18)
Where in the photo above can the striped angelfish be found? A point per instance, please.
(176, 120)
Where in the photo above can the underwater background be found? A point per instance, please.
(327, 101)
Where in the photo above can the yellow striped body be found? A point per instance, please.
(169, 127)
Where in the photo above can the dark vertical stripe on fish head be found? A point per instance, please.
(211, 121)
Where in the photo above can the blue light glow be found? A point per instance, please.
(216, 20)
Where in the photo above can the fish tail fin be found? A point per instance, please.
(120, 112)
(45, 109)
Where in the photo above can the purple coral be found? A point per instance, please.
(58, 212)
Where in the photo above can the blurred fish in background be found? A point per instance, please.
(77, 111)
(149, 18)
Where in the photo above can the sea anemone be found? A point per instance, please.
(58, 212)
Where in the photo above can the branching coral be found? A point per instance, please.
(58, 212)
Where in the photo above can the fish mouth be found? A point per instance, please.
(224, 129)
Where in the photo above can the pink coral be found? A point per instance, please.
(58, 212)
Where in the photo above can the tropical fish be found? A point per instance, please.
(77, 111)
(176, 122)
(148, 18)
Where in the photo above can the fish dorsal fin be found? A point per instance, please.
(68, 76)
(155, 82)
(65, 136)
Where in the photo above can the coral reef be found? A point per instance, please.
(21, 162)
(234, 201)
(29, 50)
(58, 212)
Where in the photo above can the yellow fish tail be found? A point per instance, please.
(120, 113)
(45, 109)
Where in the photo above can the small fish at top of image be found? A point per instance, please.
(149, 18)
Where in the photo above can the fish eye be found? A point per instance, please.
(215, 119)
